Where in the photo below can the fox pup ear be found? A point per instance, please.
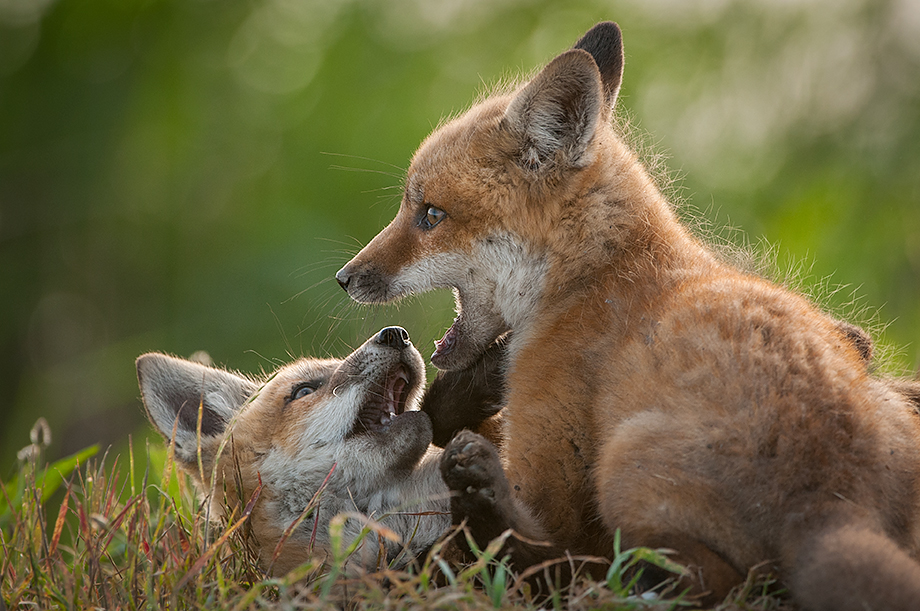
(173, 389)
(605, 44)
(554, 117)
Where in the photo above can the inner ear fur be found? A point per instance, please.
(554, 117)
(173, 389)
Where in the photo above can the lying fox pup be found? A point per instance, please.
(651, 387)
(353, 420)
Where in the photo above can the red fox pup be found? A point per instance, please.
(651, 387)
(355, 418)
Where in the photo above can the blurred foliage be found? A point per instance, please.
(178, 175)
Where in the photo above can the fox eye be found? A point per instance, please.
(433, 216)
(302, 390)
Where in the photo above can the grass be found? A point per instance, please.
(81, 534)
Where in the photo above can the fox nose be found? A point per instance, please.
(394, 337)
(343, 278)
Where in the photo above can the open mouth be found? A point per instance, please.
(444, 346)
(385, 401)
(468, 337)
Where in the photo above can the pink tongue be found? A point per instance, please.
(445, 344)
(398, 386)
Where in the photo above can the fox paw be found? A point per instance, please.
(472, 470)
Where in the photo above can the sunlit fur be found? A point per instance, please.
(652, 388)
(293, 445)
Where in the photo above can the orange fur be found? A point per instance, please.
(651, 387)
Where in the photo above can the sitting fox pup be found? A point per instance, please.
(651, 388)
(353, 420)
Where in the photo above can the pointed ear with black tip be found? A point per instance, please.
(605, 44)
(554, 117)
(173, 390)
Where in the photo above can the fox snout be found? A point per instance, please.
(343, 278)
(393, 337)
(347, 275)
(365, 282)
(373, 275)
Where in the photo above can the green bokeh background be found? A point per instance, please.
(182, 175)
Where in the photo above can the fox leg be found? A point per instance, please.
(668, 496)
(481, 496)
(469, 398)
(708, 578)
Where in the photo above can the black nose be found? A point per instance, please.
(343, 278)
(394, 337)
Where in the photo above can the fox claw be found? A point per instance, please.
(480, 495)
(472, 470)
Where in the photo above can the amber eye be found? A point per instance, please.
(302, 390)
(433, 216)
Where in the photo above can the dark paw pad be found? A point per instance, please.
(471, 469)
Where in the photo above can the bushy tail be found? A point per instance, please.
(851, 567)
